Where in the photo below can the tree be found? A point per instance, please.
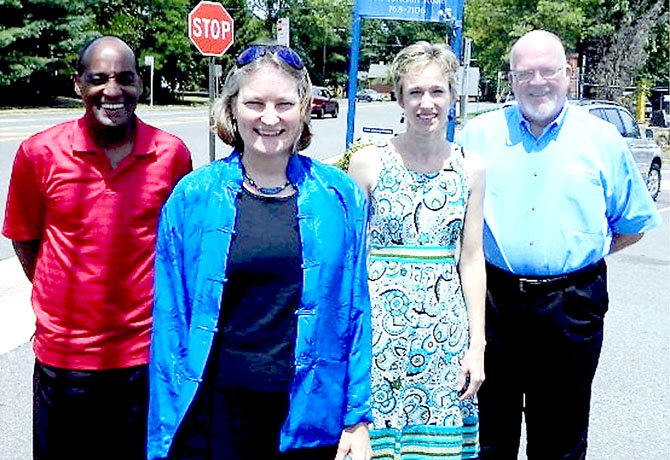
(159, 28)
(610, 35)
(271, 10)
(320, 31)
(658, 50)
(383, 39)
(39, 40)
(494, 25)
(616, 60)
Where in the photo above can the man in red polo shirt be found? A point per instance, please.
(82, 210)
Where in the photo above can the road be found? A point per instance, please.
(631, 403)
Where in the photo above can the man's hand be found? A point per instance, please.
(621, 241)
(355, 443)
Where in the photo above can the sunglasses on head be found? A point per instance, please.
(284, 53)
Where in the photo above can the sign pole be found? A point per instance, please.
(212, 89)
(465, 83)
(353, 75)
(149, 60)
(151, 80)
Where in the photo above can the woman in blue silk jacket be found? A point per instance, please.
(261, 342)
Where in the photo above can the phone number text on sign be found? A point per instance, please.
(413, 10)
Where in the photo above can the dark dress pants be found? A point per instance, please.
(543, 346)
(83, 415)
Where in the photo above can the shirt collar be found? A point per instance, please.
(143, 143)
(554, 125)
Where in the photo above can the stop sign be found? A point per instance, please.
(210, 28)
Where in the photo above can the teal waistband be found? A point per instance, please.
(421, 253)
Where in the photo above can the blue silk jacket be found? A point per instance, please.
(331, 386)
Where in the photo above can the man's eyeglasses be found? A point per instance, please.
(284, 53)
(524, 76)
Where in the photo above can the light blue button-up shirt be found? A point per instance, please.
(553, 202)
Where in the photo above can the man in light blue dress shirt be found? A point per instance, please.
(562, 192)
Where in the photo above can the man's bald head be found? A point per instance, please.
(537, 39)
(87, 50)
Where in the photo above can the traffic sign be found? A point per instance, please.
(283, 31)
(211, 28)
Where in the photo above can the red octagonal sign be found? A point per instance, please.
(211, 28)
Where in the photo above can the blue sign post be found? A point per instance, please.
(442, 11)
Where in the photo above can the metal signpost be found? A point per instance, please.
(149, 60)
(212, 31)
(443, 11)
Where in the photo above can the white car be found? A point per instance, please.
(645, 150)
(369, 95)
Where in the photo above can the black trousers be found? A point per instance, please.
(81, 415)
(544, 338)
(238, 424)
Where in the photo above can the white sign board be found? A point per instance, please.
(376, 136)
(283, 31)
(472, 84)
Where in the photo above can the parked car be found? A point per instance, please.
(324, 103)
(645, 150)
(369, 95)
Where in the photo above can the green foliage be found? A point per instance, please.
(320, 31)
(38, 43)
(155, 28)
(658, 49)
(614, 36)
(382, 39)
(40, 39)
(343, 161)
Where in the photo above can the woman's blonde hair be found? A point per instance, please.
(225, 124)
(416, 57)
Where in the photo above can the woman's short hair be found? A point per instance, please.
(225, 124)
(416, 57)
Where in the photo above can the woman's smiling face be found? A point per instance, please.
(268, 113)
(426, 99)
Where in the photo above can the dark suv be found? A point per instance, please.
(324, 103)
(645, 150)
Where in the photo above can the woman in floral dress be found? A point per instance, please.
(426, 270)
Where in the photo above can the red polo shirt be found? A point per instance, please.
(93, 284)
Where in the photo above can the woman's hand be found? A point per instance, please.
(472, 368)
(355, 443)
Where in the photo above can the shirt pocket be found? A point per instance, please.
(584, 203)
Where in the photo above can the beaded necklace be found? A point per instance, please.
(264, 190)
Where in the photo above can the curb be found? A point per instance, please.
(17, 321)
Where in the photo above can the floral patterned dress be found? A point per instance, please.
(419, 317)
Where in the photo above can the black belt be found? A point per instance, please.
(529, 283)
